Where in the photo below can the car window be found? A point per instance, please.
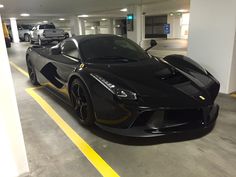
(113, 48)
(47, 26)
(26, 27)
(70, 49)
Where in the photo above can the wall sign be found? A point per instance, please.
(166, 28)
(130, 22)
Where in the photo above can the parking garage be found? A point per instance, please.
(149, 76)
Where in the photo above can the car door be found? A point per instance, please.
(68, 60)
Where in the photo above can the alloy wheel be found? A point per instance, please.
(79, 102)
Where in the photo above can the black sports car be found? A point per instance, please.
(115, 84)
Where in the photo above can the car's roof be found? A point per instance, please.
(82, 38)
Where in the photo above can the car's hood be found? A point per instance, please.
(153, 79)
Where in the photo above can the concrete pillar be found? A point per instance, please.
(13, 160)
(110, 26)
(212, 39)
(136, 34)
(114, 26)
(14, 30)
(81, 27)
(75, 27)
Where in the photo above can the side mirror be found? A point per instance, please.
(55, 50)
(153, 43)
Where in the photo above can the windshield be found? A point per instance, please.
(112, 49)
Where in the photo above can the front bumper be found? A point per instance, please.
(156, 125)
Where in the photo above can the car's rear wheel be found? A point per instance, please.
(32, 73)
(82, 103)
(39, 41)
(27, 37)
(31, 41)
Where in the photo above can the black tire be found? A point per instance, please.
(26, 37)
(31, 41)
(32, 73)
(82, 103)
(40, 42)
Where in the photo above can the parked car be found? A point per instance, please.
(23, 31)
(113, 83)
(46, 33)
(6, 35)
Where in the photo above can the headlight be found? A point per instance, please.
(119, 92)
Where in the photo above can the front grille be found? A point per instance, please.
(169, 118)
(173, 117)
(143, 118)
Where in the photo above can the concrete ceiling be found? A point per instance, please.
(53, 9)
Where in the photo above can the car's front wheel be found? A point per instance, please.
(32, 73)
(82, 103)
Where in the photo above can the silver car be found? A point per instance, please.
(46, 33)
(23, 31)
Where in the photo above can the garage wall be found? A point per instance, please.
(212, 38)
(232, 84)
(13, 160)
(175, 27)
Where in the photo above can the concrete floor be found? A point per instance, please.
(51, 154)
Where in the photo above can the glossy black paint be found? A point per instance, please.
(174, 94)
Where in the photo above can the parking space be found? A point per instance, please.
(51, 152)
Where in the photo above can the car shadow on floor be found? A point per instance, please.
(125, 140)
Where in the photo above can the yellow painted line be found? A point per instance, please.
(19, 69)
(233, 95)
(96, 160)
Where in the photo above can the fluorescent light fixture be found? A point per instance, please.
(124, 10)
(171, 14)
(45, 21)
(92, 27)
(182, 10)
(1, 5)
(24, 15)
(83, 15)
(61, 19)
(103, 19)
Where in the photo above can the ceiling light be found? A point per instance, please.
(182, 10)
(24, 15)
(61, 19)
(103, 19)
(45, 21)
(83, 16)
(171, 14)
(92, 27)
(1, 5)
(124, 10)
